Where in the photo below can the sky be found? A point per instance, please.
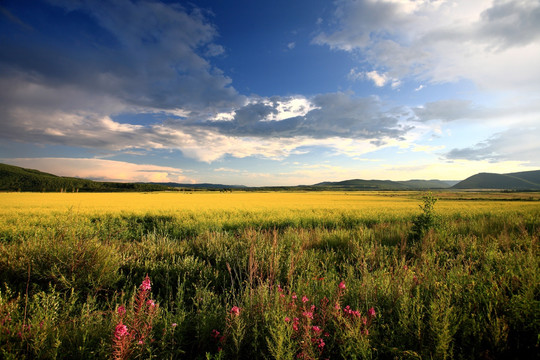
(270, 92)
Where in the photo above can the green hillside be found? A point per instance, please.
(531, 176)
(425, 184)
(358, 184)
(14, 178)
(529, 180)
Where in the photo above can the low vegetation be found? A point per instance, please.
(270, 276)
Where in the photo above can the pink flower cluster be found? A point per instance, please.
(308, 321)
(127, 339)
(353, 313)
(319, 342)
(120, 331)
(217, 336)
(235, 310)
(146, 284)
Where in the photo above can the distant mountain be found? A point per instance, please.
(202, 186)
(358, 184)
(426, 184)
(14, 178)
(527, 180)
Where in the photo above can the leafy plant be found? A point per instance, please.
(425, 221)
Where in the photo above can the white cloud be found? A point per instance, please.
(514, 144)
(447, 110)
(229, 170)
(378, 79)
(321, 116)
(493, 43)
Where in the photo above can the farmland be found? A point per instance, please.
(269, 275)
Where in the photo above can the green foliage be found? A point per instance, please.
(469, 290)
(14, 178)
(425, 221)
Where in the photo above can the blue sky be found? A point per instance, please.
(270, 92)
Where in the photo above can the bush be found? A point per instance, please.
(425, 221)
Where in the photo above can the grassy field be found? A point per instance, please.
(315, 275)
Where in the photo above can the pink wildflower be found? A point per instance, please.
(294, 297)
(287, 319)
(308, 314)
(141, 342)
(235, 310)
(146, 284)
(215, 334)
(316, 329)
(342, 285)
(305, 299)
(121, 310)
(120, 331)
(371, 312)
(151, 303)
(320, 343)
(279, 288)
(174, 325)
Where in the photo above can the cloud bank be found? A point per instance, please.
(68, 85)
(495, 44)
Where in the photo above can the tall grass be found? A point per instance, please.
(309, 282)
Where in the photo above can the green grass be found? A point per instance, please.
(466, 286)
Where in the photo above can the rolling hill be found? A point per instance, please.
(358, 184)
(14, 178)
(528, 180)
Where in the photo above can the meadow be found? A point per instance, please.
(270, 275)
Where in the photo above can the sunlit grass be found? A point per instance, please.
(230, 272)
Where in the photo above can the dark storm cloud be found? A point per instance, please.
(143, 53)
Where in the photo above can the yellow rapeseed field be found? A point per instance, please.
(398, 203)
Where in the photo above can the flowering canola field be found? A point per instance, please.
(269, 275)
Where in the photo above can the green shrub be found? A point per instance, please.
(425, 221)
